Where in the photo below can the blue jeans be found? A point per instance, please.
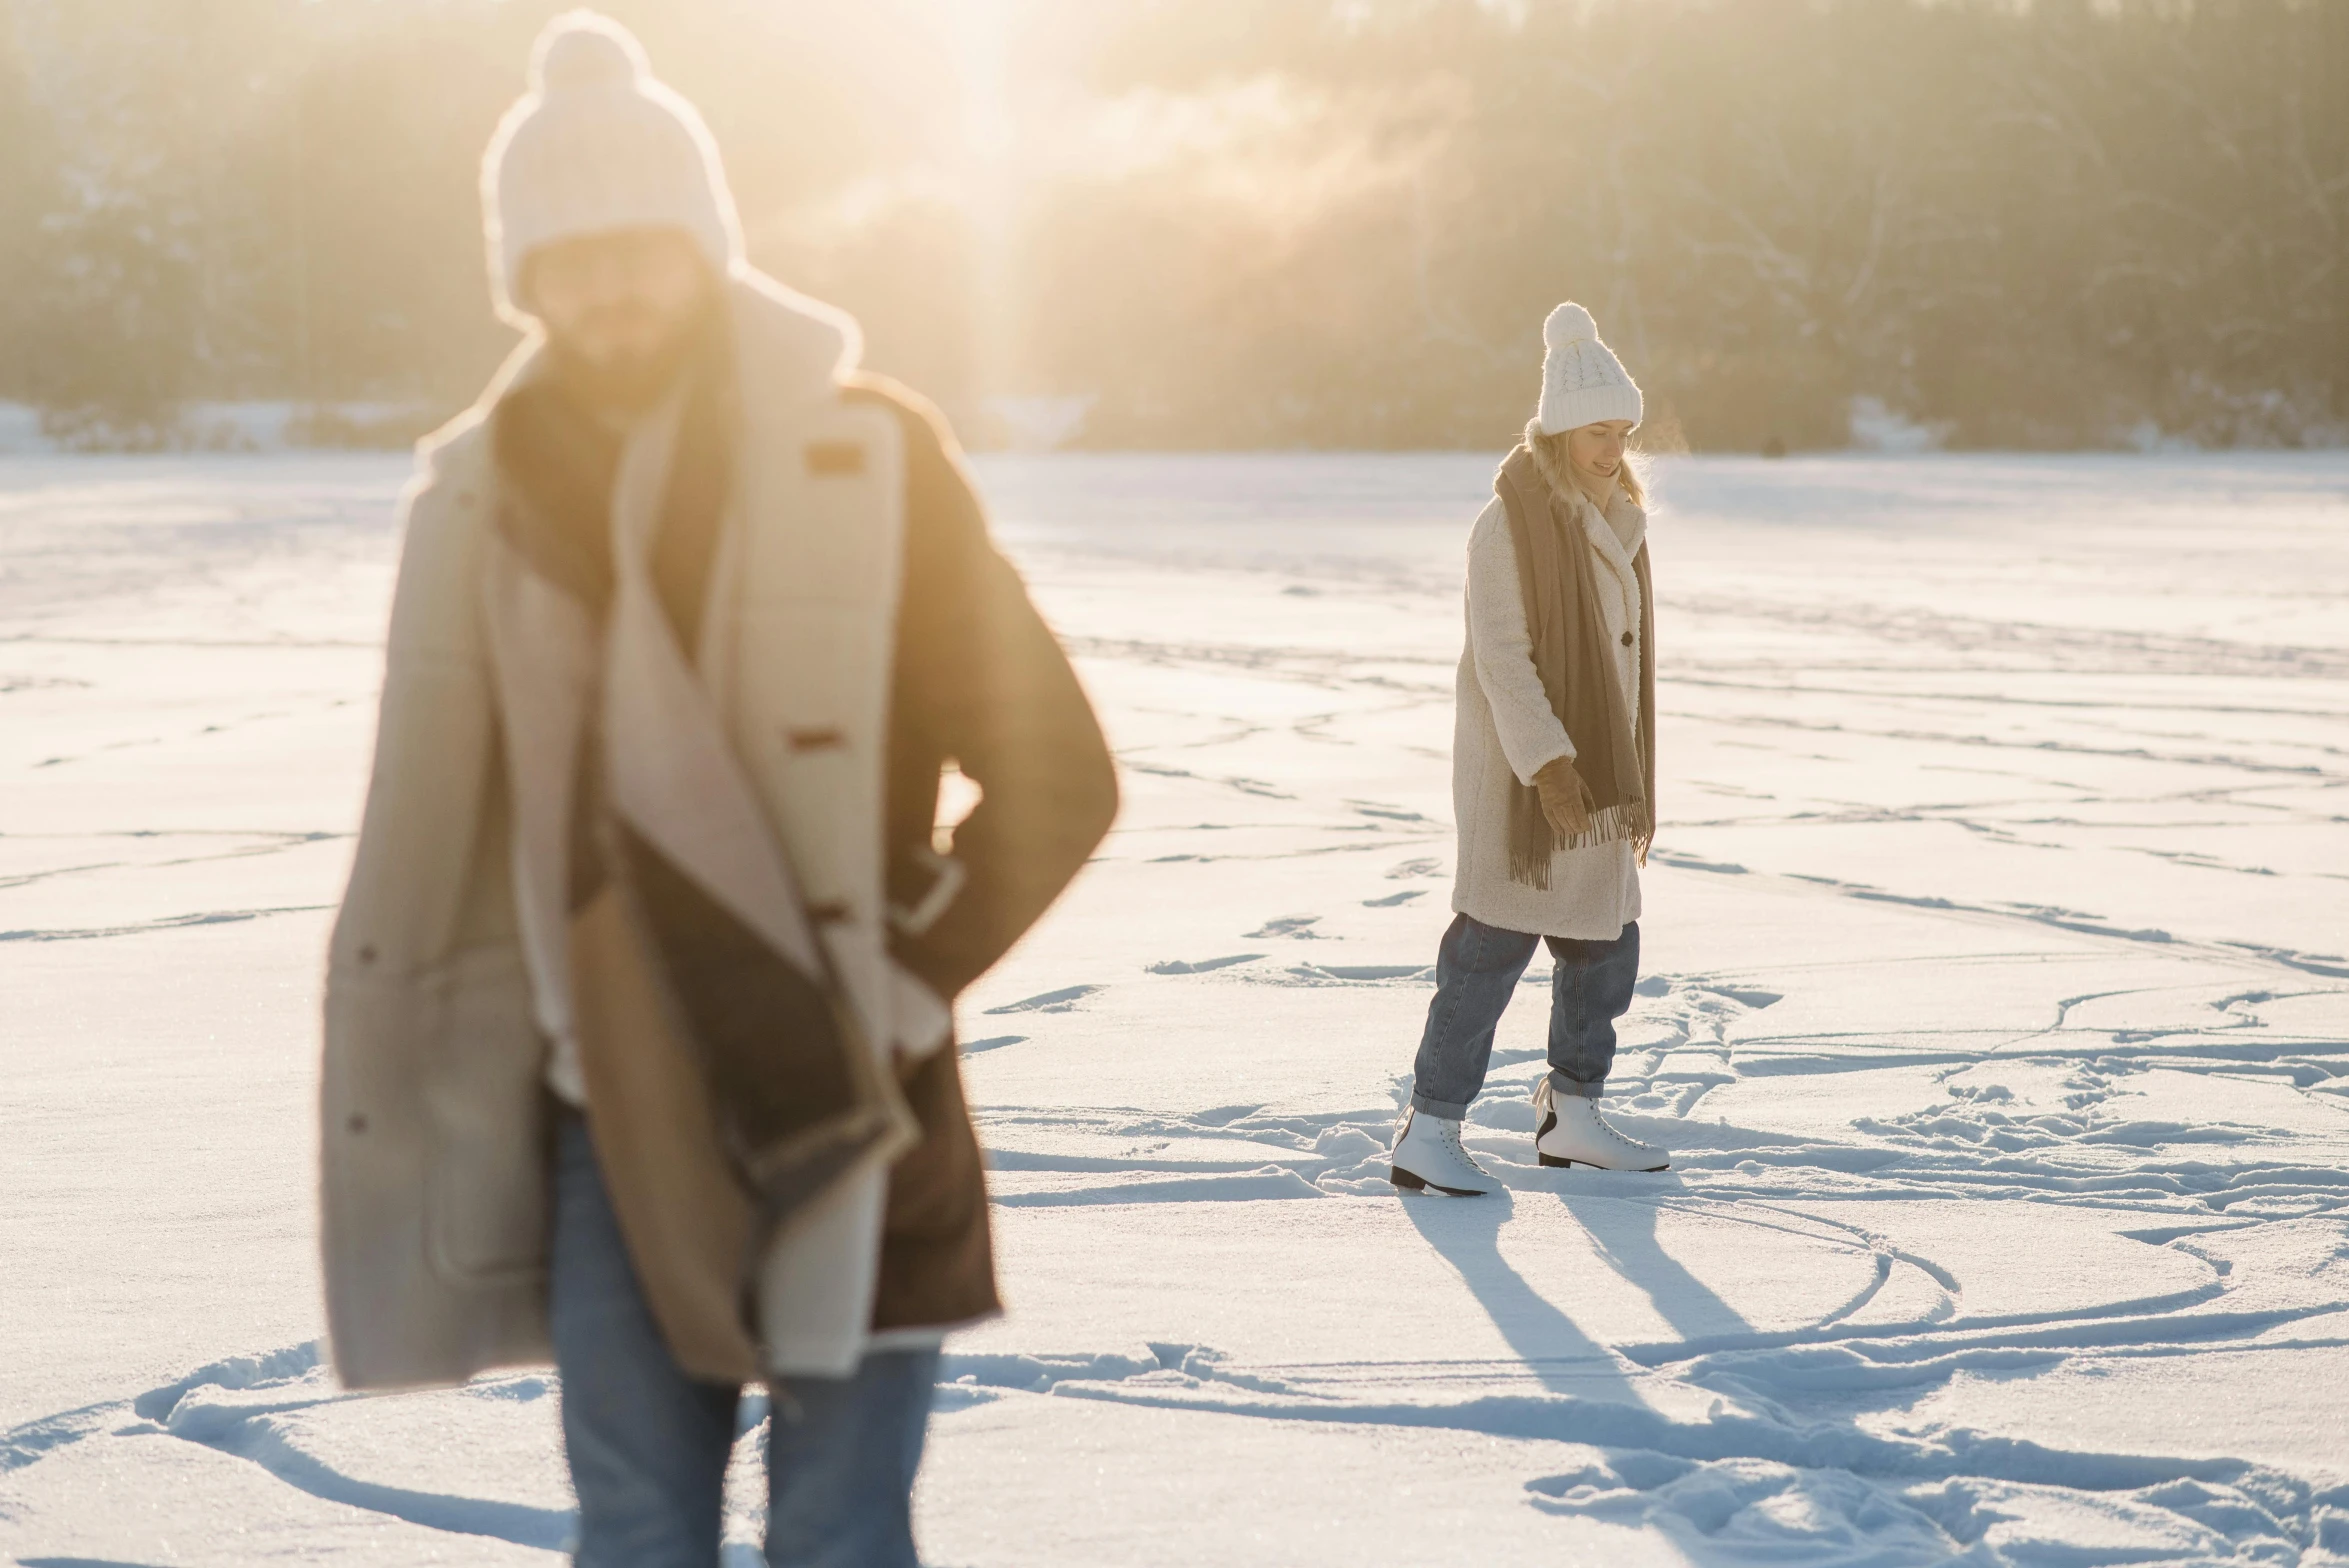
(1476, 973)
(648, 1445)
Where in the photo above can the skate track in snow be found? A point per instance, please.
(1996, 1015)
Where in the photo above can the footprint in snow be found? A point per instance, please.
(1362, 972)
(991, 1043)
(1288, 925)
(1200, 966)
(1343, 974)
(1371, 808)
(1743, 995)
(1063, 1000)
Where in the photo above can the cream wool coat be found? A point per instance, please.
(1504, 732)
(433, 1165)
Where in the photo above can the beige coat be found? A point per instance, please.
(1504, 731)
(434, 1176)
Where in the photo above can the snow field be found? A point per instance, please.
(1995, 1014)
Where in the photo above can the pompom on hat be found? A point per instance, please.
(1582, 380)
(596, 145)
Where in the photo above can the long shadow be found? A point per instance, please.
(1466, 1233)
(1625, 1232)
(549, 1529)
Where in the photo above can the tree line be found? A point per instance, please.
(1242, 223)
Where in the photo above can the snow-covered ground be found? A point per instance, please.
(1997, 1020)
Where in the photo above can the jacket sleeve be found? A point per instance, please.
(1531, 734)
(405, 900)
(980, 681)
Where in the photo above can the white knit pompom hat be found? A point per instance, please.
(1582, 380)
(598, 144)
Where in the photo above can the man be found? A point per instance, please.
(638, 1041)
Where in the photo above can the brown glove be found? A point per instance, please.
(1566, 800)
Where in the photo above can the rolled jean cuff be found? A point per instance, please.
(1447, 1109)
(1561, 1084)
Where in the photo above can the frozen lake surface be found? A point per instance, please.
(1996, 1019)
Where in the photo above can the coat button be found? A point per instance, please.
(357, 1123)
(1627, 639)
(367, 954)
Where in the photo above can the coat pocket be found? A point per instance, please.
(485, 1106)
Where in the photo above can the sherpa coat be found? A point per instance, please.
(1504, 731)
(876, 634)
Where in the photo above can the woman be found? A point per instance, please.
(1553, 774)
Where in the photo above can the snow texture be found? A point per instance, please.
(1996, 1017)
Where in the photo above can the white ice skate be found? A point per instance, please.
(1574, 1133)
(1427, 1157)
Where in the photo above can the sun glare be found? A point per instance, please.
(979, 35)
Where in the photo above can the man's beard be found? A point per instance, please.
(628, 382)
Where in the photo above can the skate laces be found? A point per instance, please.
(1618, 1134)
(1448, 1134)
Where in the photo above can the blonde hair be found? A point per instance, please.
(1557, 466)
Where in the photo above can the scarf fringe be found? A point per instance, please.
(1534, 844)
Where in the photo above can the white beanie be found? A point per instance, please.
(596, 145)
(1582, 380)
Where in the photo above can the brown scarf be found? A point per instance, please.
(786, 1098)
(1577, 669)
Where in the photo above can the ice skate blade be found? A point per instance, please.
(1407, 1182)
(1558, 1162)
